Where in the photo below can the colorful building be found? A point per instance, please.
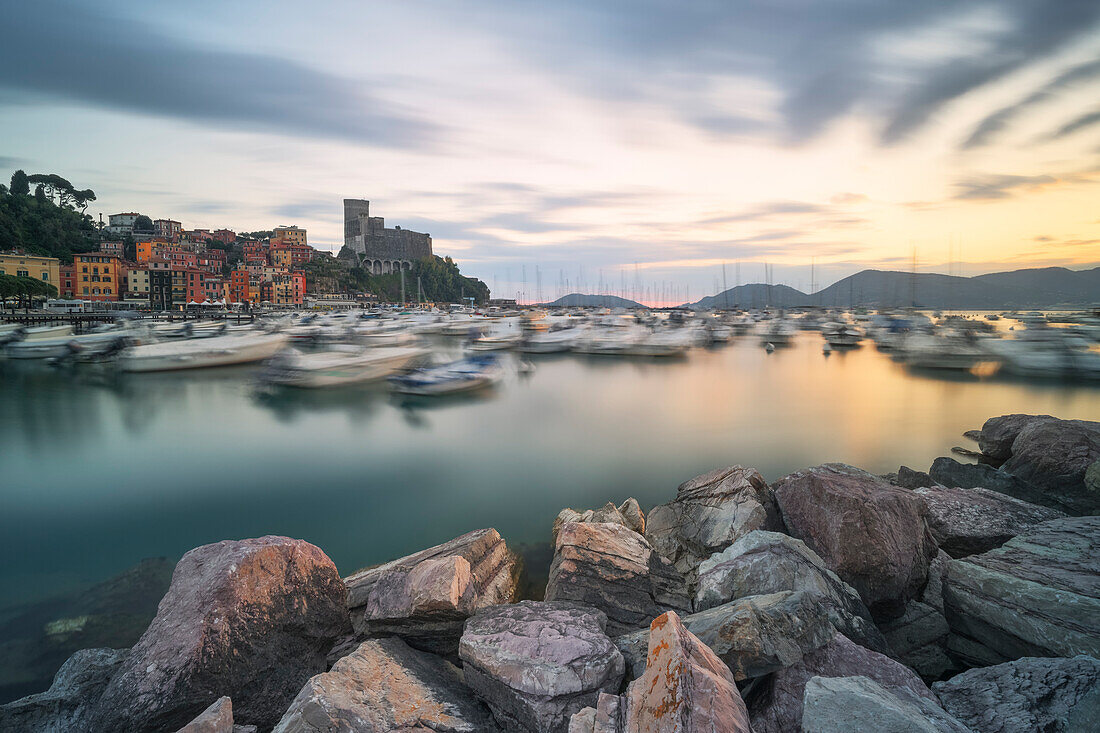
(68, 281)
(137, 282)
(226, 236)
(167, 228)
(289, 289)
(46, 269)
(112, 248)
(238, 286)
(288, 235)
(98, 276)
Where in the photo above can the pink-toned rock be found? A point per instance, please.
(424, 598)
(251, 619)
(685, 688)
(617, 571)
(218, 718)
(873, 535)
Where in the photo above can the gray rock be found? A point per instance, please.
(76, 688)
(1030, 694)
(537, 663)
(1054, 455)
(969, 521)
(1092, 478)
(776, 706)
(1038, 595)
(628, 514)
(615, 570)
(919, 637)
(251, 619)
(426, 597)
(844, 704)
(870, 533)
(385, 685)
(769, 562)
(710, 513)
(999, 433)
(753, 636)
(606, 717)
(218, 718)
(949, 472)
(907, 478)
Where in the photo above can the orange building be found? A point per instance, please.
(288, 235)
(289, 289)
(238, 286)
(98, 276)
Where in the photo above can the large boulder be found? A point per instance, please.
(76, 688)
(1053, 455)
(426, 597)
(709, 513)
(1040, 694)
(844, 704)
(949, 472)
(776, 705)
(969, 521)
(685, 688)
(385, 685)
(617, 571)
(252, 619)
(999, 433)
(764, 562)
(1038, 595)
(537, 663)
(870, 533)
(218, 718)
(629, 514)
(919, 637)
(753, 636)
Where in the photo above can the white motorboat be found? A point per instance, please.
(388, 334)
(925, 351)
(1055, 357)
(199, 353)
(778, 333)
(51, 348)
(465, 375)
(340, 365)
(500, 336)
(614, 340)
(11, 332)
(665, 342)
(842, 335)
(549, 342)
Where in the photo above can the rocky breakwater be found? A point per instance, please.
(833, 610)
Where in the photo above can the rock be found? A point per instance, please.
(218, 718)
(776, 706)
(753, 636)
(969, 521)
(615, 570)
(709, 514)
(949, 472)
(606, 717)
(628, 514)
(844, 704)
(1092, 478)
(424, 598)
(76, 688)
(769, 562)
(386, 685)
(919, 637)
(907, 478)
(1037, 595)
(999, 433)
(871, 534)
(1030, 694)
(251, 619)
(1053, 455)
(537, 663)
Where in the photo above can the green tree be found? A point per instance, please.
(20, 186)
(143, 224)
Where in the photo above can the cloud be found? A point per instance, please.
(56, 50)
(768, 210)
(998, 186)
(997, 121)
(1086, 120)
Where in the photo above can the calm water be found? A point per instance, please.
(98, 472)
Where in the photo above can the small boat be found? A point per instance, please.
(664, 342)
(501, 336)
(549, 342)
(51, 348)
(11, 332)
(618, 339)
(778, 333)
(950, 352)
(465, 375)
(769, 347)
(342, 364)
(199, 353)
(841, 335)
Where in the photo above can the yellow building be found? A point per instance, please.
(281, 257)
(46, 269)
(97, 276)
(289, 235)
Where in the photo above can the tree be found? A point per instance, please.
(20, 186)
(143, 224)
(40, 194)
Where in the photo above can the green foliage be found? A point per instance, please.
(39, 226)
(19, 184)
(143, 224)
(440, 280)
(24, 289)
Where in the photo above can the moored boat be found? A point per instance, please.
(200, 353)
(465, 375)
(340, 365)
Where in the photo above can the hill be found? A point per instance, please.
(35, 224)
(439, 278)
(581, 300)
(1031, 288)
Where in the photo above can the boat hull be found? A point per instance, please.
(201, 353)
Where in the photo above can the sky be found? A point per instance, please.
(647, 148)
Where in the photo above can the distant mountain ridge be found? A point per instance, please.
(1031, 288)
(582, 300)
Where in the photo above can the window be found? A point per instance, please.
(46, 276)
(85, 269)
(22, 273)
(85, 291)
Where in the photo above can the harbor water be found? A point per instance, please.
(100, 470)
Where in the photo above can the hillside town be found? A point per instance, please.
(168, 267)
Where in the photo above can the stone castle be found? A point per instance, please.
(379, 250)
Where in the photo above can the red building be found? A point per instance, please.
(68, 284)
(224, 235)
(196, 284)
(238, 286)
